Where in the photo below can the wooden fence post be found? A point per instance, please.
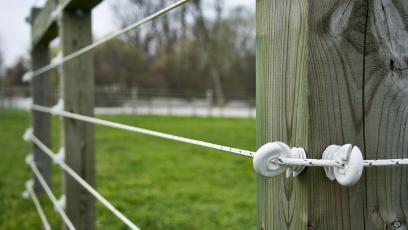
(333, 72)
(40, 89)
(78, 94)
(386, 112)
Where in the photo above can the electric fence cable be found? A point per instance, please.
(30, 193)
(141, 130)
(57, 206)
(279, 161)
(333, 163)
(82, 182)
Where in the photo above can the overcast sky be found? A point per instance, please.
(15, 32)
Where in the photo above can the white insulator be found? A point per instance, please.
(57, 59)
(28, 134)
(25, 195)
(299, 153)
(59, 157)
(58, 107)
(27, 77)
(352, 160)
(266, 156)
(29, 185)
(60, 205)
(29, 158)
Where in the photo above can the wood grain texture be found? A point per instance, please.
(282, 107)
(336, 72)
(40, 89)
(355, 72)
(310, 59)
(78, 93)
(386, 106)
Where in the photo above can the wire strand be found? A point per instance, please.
(83, 183)
(37, 204)
(104, 40)
(307, 162)
(385, 162)
(279, 161)
(49, 193)
(141, 130)
(333, 163)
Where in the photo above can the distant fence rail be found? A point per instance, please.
(139, 101)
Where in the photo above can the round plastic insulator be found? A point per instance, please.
(353, 161)
(28, 134)
(58, 107)
(27, 77)
(29, 158)
(263, 159)
(59, 157)
(301, 154)
(25, 195)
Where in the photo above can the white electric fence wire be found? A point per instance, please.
(86, 49)
(142, 131)
(83, 183)
(279, 161)
(49, 193)
(385, 162)
(333, 163)
(308, 162)
(37, 204)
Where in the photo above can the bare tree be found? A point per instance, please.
(196, 46)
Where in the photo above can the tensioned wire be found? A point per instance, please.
(29, 189)
(141, 130)
(279, 161)
(82, 182)
(86, 49)
(67, 221)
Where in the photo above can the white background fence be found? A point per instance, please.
(116, 100)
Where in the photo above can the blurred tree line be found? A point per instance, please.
(196, 47)
(199, 46)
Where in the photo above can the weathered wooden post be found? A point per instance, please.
(77, 85)
(333, 72)
(40, 89)
(72, 20)
(385, 98)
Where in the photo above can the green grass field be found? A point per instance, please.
(158, 184)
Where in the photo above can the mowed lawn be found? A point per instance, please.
(157, 183)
